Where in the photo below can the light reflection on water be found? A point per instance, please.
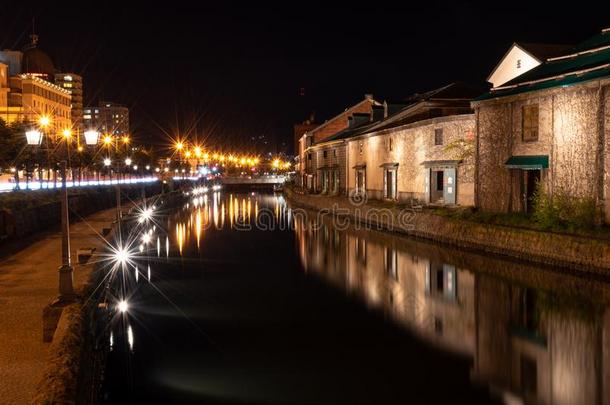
(535, 336)
(529, 334)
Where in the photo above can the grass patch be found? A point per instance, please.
(521, 221)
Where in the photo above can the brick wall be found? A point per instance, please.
(340, 122)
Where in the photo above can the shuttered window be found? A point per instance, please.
(438, 136)
(530, 123)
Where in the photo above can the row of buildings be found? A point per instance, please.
(545, 120)
(31, 87)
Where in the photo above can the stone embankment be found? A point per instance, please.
(571, 252)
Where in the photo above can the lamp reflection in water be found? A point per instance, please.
(130, 339)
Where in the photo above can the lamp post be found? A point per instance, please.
(107, 163)
(66, 287)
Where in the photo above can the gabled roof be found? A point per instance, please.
(452, 91)
(542, 51)
(587, 61)
(368, 99)
(596, 41)
(539, 51)
(457, 92)
(349, 132)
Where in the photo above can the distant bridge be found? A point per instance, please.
(262, 181)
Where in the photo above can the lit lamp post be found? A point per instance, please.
(66, 288)
(92, 137)
(107, 163)
(127, 166)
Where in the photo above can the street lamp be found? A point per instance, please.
(44, 121)
(92, 137)
(66, 287)
(33, 137)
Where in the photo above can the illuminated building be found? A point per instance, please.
(545, 132)
(73, 83)
(108, 118)
(27, 92)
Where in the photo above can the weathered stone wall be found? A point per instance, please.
(15, 224)
(573, 131)
(335, 156)
(492, 151)
(412, 145)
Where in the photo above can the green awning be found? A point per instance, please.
(528, 162)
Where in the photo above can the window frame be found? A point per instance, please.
(527, 125)
(438, 134)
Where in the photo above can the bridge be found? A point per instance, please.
(269, 180)
(252, 182)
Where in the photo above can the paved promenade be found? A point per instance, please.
(28, 282)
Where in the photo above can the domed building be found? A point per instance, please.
(29, 92)
(36, 62)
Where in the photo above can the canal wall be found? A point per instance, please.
(19, 220)
(73, 372)
(574, 253)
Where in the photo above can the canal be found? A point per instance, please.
(240, 299)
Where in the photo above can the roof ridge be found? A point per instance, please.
(576, 54)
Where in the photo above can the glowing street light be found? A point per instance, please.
(107, 162)
(179, 145)
(128, 161)
(67, 133)
(92, 137)
(66, 287)
(33, 137)
(126, 139)
(44, 121)
(107, 140)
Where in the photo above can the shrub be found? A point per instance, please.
(563, 210)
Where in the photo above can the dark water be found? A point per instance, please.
(301, 313)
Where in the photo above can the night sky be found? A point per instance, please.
(226, 75)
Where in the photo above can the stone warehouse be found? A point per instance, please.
(424, 151)
(322, 151)
(549, 127)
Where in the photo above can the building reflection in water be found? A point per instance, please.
(533, 336)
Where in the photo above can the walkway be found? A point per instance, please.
(28, 282)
